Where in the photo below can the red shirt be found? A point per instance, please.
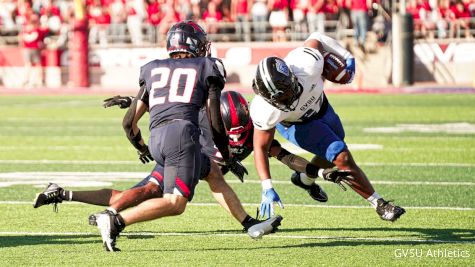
(359, 5)
(153, 11)
(32, 38)
(241, 7)
(212, 17)
(460, 11)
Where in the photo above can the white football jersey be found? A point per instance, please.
(307, 65)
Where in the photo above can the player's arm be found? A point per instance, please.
(262, 140)
(130, 124)
(324, 44)
(302, 165)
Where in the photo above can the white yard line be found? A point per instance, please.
(286, 204)
(69, 179)
(277, 236)
(136, 162)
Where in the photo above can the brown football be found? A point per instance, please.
(334, 68)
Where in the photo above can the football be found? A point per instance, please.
(334, 68)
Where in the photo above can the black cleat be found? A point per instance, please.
(387, 211)
(51, 195)
(105, 221)
(264, 227)
(314, 190)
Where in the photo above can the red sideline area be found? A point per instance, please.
(416, 89)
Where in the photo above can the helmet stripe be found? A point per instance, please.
(268, 77)
(232, 111)
(264, 75)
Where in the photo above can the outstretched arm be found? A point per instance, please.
(262, 141)
(302, 165)
(130, 125)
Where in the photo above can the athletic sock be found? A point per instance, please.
(97, 197)
(306, 180)
(373, 199)
(66, 195)
(248, 222)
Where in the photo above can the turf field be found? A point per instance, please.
(417, 149)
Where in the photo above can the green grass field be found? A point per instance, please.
(417, 149)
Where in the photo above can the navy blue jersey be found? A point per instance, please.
(178, 88)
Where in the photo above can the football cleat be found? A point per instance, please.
(314, 190)
(51, 195)
(264, 227)
(109, 231)
(387, 211)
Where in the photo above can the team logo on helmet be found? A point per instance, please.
(282, 67)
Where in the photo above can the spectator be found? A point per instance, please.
(169, 17)
(259, 13)
(444, 18)
(118, 20)
(23, 13)
(315, 16)
(50, 17)
(135, 15)
(211, 16)
(7, 8)
(278, 19)
(460, 18)
(195, 13)
(359, 19)
(299, 11)
(99, 21)
(240, 14)
(153, 19)
(31, 39)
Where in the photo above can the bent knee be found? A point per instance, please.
(344, 160)
(177, 204)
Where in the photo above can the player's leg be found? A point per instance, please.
(228, 199)
(181, 159)
(328, 143)
(54, 194)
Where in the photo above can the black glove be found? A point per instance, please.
(236, 167)
(121, 101)
(144, 155)
(338, 176)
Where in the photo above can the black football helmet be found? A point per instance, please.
(236, 118)
(188, 36)
(277, 84)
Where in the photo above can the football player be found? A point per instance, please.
(173, 91)
(290, 98)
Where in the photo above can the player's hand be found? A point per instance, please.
(269, 196)
(121, 101)
(236, 167)
(338, 176)
(144, 155)
(351, 68)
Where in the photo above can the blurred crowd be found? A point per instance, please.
(147, 21)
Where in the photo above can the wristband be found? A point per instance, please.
(266, 184)
(320, 173)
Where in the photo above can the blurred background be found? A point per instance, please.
(100, 44)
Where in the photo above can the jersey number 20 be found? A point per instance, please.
(174, 83)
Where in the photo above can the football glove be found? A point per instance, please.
(269, 196)
(338, 176)
(236, 167)
(350, 68)
(121, 101)
(144, 155)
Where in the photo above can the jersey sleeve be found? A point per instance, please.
(330, 45)
(264, 116)
(305, 61)
(143, 93)
(215, 72)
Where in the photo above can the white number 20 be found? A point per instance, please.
(162, 82)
